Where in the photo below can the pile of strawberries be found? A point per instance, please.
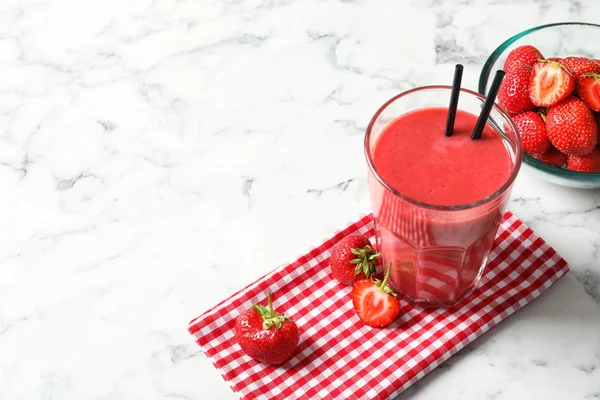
(555, 104)
(271, 338)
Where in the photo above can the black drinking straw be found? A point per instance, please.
(458, 71)
(487, 105)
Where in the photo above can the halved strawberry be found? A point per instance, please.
(550, 83)
(375, 302)
(514, 93)
(552, 157)
(528, 55)
(579, 66)
(532, 129)
(588, 163)
(588, 88)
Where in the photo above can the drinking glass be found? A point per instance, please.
(437, 253)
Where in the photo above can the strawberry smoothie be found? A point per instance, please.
(412, 157)
(437, 201)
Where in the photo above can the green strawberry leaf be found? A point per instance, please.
(262, 310)
(270, 317)
(591, 75)
(358, 268)
(365, 260)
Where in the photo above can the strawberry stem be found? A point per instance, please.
(270, 317)
(387, 275)
(382, 285)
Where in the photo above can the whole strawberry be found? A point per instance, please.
(352, 259)
(514, 91)
(266, 336)
(550, 83)
(588, 163)
(528, 55)
(375, 303)
(532, 129)
(571, 127)
(579, 66)
(552, 157)
(588, 89)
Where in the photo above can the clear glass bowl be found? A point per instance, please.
(553, 40)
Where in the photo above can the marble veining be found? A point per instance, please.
(158, 155)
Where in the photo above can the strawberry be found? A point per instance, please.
(532, 129)
(528, 55)
(588, 89)
(588, 163)
(266, 336)
(552, 157)
(352, 259)
(514, 94)
(580, 65)
(571, 127)
(375, 302)
(549, 83)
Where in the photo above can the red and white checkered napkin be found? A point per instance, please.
(338, 357)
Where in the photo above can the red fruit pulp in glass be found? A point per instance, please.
(437, 255)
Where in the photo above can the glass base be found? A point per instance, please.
(422, 303)
(435, 275)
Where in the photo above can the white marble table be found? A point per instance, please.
(158, 155)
